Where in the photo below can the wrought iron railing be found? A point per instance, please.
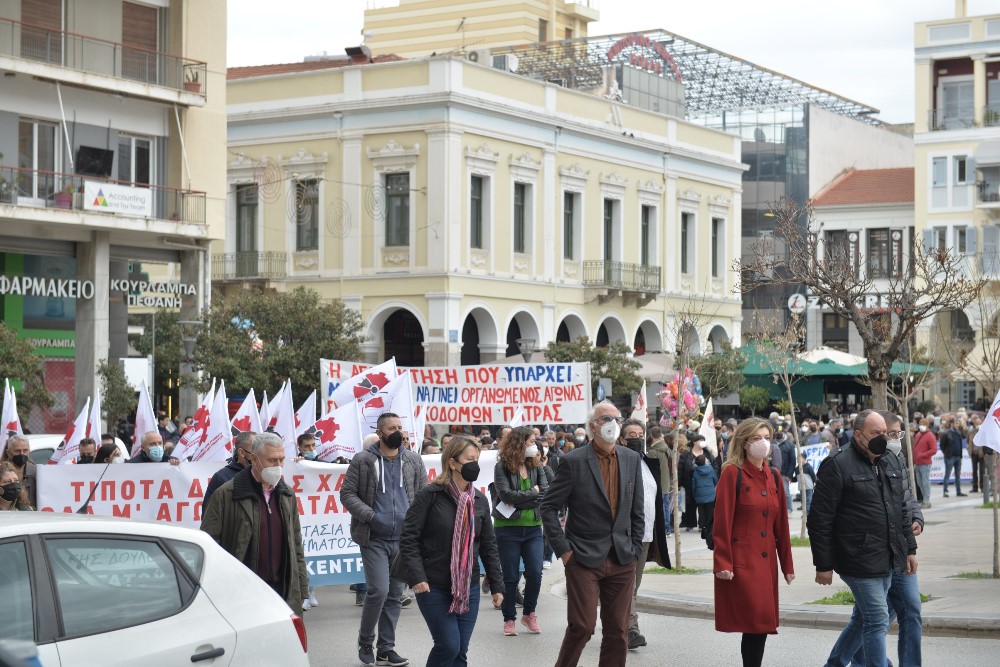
(100, 56)
(619, 275)
(954, 119)
(53, 189)
(249, 266)
(991, 115)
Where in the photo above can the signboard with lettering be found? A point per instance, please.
(112, 198)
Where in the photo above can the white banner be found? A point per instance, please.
(111, 198)
(162, 492)
(816, 453)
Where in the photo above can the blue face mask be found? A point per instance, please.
(309, 455)
(562, 442)
(156, 453)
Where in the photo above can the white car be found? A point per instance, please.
(91, 590)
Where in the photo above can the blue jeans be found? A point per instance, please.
(383, 595)
(668, 513)
(809, 500)
(904, 604)
(953, 462)
(517, 543)
(450, 632)
(788, 496)
(871, 614)
(923, 477)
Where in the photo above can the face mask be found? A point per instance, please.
(531, 451)
(562, 442)
(610, 431)
(581, 438)
(759, 448)
(922, 428)
(470, 471)
(156, 453)
(19, 460)
(635, 444)
(725, 436)
(894, 446)
(11, 491)
(545, 451)
(118, 459)
(271, 476)
(311, 456)
(877, 445)
(394, 440)
(805, 429)
(86, 458)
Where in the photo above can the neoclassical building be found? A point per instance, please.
(460, 208)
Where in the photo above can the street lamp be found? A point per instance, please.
(188, 397)
(189, 336)
(526, 346)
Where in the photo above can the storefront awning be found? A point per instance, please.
(988, 153)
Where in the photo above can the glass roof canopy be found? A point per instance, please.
(714, 81)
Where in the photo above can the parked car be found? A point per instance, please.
(91, 590)
(43, 444)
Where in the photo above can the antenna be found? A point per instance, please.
(461, 28)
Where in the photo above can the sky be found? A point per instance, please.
(859, 49)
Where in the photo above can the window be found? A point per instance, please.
(306, 215)
(129, 581)
(37, 148)
(520, 190)
(718, 246)
(940, 236)
(961, 240)
(140, 26)
(570, 212)
(956, 104)
(246, 217)
(609, 229)
(939, 170)
(476, 212)
(647, 220)
(16, 617)
(841, 246)
(961, 170)
(397, 209)
(882, 262)
(543, 30)
(41, 38)
(135, 160)
(686, 234)
(835, 331)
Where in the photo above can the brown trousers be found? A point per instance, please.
(611, 585)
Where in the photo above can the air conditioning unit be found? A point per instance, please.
(481, 56)
(506, 62)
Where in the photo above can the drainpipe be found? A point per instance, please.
(62, 112)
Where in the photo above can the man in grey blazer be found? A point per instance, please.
(601, 485)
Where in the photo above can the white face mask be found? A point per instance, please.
(759, 448)
(271, 476)
(118, 459)
(922, 428)
(581, 438)
(545, 450)
(531, 451)
(894, 446)
(610, 431)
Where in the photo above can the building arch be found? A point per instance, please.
(717, 338)
(571, 327)
(480, 334)
(647, 338)
(610, 330)
(522, 324)
(400, 331)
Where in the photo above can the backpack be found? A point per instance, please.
(706, 532)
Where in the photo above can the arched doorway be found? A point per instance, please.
(610, 331)
(470, 342)
(522, 325)
(717, 338)
(403, 338)
(570, 329)
(688, 344)
(647, 339)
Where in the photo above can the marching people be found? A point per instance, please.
(601, 485)
(751, 537)
(242, 449)
(109, 453)
(379, 486)
(950, 443)
(151, 449)
(88, 451)
(17, 452)
(703, 488)
(809, 482)
(13, 495)
(255, 517)
(685, 472)
(925, 446)
(446, 527)
(861, 527)
(519, 484)
(662, 451)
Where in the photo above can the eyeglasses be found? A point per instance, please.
(604, 419)
(894, 435)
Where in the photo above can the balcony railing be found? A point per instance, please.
(619, 275)
(100, 56)
(953, 119)
(51, 189)
(249, 266)
(991, 115)
(988, 192)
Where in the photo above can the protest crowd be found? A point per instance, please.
(445, 514)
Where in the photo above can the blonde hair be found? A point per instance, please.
(453, 450)
(22, 498)
(741, 436)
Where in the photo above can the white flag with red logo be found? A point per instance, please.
(365, 385)
(194, 436)
(69, 448)
(419, 426)
(11, 422)
(338, 433)
(246, 419)
(988, 434)
(707, 430)
(395, 397)
(94, 425)
(283, 420)
(218, 442)
(640, 410)
(305, 416)
(265, 413)
(145, 420)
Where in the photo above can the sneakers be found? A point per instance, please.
(392, 659)
(510, 628)
(925, 506)
(530, 621)
(359, 599)
(306, 605)
(313, 602)
(635, 640)
(406, 601)
(366, 654)
(486, 585)
(961, 495)
(546, 564)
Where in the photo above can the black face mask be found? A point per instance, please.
(635, 444)
(19, 460)
(11, 491)
(394, 440)
(877, 445)
(86, 458)
(470, 471)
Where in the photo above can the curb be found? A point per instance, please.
(974, 626)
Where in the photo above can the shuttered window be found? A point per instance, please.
(41, 38)
(139, 36)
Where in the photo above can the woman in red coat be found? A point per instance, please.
(751, 536)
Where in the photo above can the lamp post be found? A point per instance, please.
(526, 346)
(186, 394)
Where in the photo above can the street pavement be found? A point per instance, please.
(958, 538)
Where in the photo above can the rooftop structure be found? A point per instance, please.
(861, 187)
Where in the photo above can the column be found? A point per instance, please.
(92, 335)
(443, 346)
(118, 313)
(193, 272)
(978, 89)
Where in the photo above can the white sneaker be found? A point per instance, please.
(546, 565)
(306, 605)
(313, 602)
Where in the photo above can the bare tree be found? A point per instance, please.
(885, 296)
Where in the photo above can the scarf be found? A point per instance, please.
(462, 557)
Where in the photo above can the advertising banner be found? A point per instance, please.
(111, 198)
(162, 492)
(549, 393)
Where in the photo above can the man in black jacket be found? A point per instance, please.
(861, 527)
(951, 450)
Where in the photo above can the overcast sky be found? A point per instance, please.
(860, 49)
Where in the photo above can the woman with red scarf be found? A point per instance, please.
(446, 528)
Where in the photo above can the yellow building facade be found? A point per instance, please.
(460, 209)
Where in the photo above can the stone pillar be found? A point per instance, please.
(978, 89)
(118, 313)
(193, 272)
(92, 334)
(489, 354)
(443, 346)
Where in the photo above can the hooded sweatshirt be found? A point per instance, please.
(391, 501)
(703, 484)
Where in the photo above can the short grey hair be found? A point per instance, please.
(634, 422)
(146, 435)
(262, 440)
(17, 437)
(860, 419)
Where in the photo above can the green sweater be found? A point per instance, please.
(526, 518)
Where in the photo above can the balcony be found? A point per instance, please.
(101, 64)
(35, 188)
(633, 282)
(961, 118)
(991, 115)
(253, 265)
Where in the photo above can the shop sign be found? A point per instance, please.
(62, 288)
(111, 198)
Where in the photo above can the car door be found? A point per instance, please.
(130, 600)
